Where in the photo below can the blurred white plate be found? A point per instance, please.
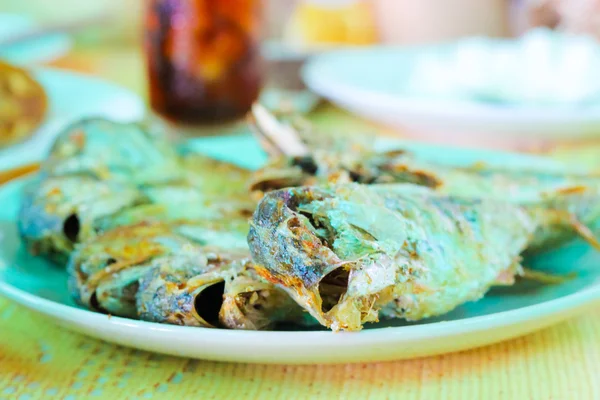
(43, 49)
(71, 96)
(375, 83)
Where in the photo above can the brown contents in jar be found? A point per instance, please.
(203, 58)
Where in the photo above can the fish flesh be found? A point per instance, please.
(348, 253)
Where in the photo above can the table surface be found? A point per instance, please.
(41, 360)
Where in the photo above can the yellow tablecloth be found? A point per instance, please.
(40, 360)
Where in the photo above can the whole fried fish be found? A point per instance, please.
(344, 253)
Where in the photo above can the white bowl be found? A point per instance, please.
(376, 83)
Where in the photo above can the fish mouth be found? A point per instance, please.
(332, 288)
(229, 296)
(208, 302)
(295, 250)
(242, 302)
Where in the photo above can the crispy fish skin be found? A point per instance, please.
(111, 150)
(224, 291)
(104, 272)
(131, 161)
(565, 202)
(345, 252)
(96, 169)
(168, 290)
(58, 212)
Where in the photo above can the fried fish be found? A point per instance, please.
(345, 253)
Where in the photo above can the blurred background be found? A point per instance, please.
(106, 39)
(118, 24)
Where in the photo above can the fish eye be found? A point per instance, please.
(307, 164)
(71, 227)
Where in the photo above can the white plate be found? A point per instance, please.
(72, 96)
(42, 49)
(374, 83)
(504, 313)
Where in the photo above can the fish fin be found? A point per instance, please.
(584, 232)
(546, 277)
(278, 138)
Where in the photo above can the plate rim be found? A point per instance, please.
(585, 296)
(61, 41)
(405, 106)
(80, 319)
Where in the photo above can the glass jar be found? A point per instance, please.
(203, 58)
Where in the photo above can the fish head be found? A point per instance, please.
(190, 289)
(104, 273)
(59, 212)
(311, 253)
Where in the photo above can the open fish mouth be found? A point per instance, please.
(345, 252)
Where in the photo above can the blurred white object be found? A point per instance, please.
(36, 49)
(426, 21)
(376, 83)
(543, 67)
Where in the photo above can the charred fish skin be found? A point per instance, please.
(58, 212)
(345, 252)
(110, 150)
